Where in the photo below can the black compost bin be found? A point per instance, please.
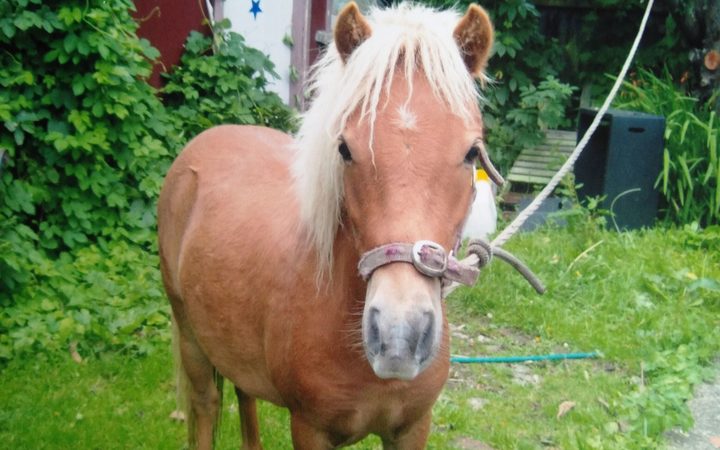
(622, 162)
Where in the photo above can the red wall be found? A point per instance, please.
(167, 24)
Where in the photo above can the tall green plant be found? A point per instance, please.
(690, 177)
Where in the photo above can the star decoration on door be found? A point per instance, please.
(255, 9)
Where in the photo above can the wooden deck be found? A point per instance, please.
(537, 165)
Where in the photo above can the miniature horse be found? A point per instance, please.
(261, 236)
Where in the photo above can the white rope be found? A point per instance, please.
(518, 222)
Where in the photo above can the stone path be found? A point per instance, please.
(705, 407)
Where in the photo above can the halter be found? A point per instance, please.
(430, 258)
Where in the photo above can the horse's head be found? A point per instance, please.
(408, 150)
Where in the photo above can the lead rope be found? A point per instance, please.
(479, 258)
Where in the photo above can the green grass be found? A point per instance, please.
(648, 301)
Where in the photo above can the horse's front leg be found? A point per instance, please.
(248, 421)
(412, 437)
(307, 437)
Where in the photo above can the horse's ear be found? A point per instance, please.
(351, 29)
(474, 35)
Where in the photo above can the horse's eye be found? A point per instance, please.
(472, 155)
(345, 152)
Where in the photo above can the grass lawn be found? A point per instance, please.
(648, 301)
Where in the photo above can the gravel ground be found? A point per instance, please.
(705, 407)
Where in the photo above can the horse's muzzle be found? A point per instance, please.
(402, 322)
(398, 348)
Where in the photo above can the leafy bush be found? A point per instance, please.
(690, 178)
(540, 108)
(87, 139)
(100, 297)
(524, 63)
(222, 80)
(89, 143)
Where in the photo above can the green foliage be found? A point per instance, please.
(222, 80)
(593, 51)
(86, 137)
(531, 55)
(644, 299)
(88, 144)
(690, 178)
(100, 297)
(541, 108)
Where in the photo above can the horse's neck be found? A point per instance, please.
(331, 318)
(346, 281)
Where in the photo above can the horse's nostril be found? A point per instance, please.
(374, 344)
(427, 332)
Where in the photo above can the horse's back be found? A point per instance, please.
(227, 211)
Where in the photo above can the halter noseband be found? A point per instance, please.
(428, 257)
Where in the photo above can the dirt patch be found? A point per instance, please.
(466, 443)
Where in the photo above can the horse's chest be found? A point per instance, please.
(358, 406)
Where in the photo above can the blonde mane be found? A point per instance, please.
(341, 88)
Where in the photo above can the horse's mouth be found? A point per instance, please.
(389, 369)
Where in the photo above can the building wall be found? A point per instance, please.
(167, 24)
(265, 31)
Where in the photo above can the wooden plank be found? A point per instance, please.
(554, 154)
(554, 148)
(534, 166)
(548, 162)
(530, 179)
(565, 146)
(533, 153)
(563, 133)
(563, 141)
(532, 171)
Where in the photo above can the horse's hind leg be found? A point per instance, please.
(204, 392)
(248, 421)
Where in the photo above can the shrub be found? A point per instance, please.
(100, 297)
(87, 139)
(534, 45)
(89, 143)
(223, 83)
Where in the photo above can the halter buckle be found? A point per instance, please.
(429, 266)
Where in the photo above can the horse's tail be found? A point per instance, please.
(183, 389)
(182, 383)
